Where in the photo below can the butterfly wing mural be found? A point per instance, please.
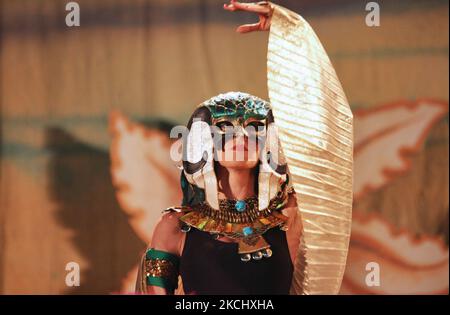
(385, 138)
(406, 264)
(144, 176)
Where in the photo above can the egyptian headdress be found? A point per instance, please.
(246, 220)
(309, 115)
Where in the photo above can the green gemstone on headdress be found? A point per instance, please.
(237, 104)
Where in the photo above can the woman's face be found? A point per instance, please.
(240, 142)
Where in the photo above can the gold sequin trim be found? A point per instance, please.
(161, 268)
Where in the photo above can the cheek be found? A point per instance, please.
(226, 155)
(228, 144)
(221, 152)
(253, 148)
(220, 155)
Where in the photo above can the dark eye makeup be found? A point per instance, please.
(256, 124)
(223, 125)
(252, 127)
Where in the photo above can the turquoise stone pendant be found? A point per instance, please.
(240, 205)
(247, 231)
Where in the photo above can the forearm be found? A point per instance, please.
(154, 290)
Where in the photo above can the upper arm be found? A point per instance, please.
(167, 235)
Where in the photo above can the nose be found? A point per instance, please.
(240, 132)
(240, 138)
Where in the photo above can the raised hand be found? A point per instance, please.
(263, 9)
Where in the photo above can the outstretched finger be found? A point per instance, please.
(249, 7)
(247, 28)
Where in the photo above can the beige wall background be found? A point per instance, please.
(154, 61)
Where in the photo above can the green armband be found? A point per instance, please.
(162, 269)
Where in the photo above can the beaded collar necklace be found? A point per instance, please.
(240, 220)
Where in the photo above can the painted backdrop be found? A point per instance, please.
(82, 109)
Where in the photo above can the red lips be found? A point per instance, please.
(240, 147)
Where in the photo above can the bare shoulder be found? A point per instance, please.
(169, 222)
(167, 235)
